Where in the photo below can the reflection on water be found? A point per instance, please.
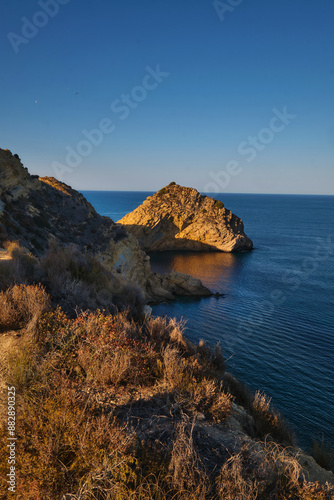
(283, 341)
(217, 270)
(290, 352)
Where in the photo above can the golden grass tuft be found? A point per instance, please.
(187, 472)
(22, 306)
(76, 442)
(268, 421)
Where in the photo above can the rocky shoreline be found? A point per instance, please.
(183, 425)
(35, 210)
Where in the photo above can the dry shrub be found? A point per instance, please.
(113, 369)
(173, 368)
(284, 467)
(208, 398)
(268, 421)
(261, 403)
(75, 280)
(242, 394)
(193, 392)
(166, 331)
(316, 491)
(25, 372)
(221, 406)
(234, 481)
(95, 347)
(261, 472)
(127, 327)
(63, 444)
(128, 297)
(23, 268)
(183, 362)
(148, 488)
(9, 274)
(22, 306)
(80, 281)
(211, 359)
(70, 448)
(267, 471)
(187, 473)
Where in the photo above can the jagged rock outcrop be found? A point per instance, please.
(180, 218)
(33, 210)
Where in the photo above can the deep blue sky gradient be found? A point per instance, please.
(225, 78)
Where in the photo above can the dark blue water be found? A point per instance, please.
(276, 321)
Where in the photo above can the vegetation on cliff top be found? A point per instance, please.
(112, 407)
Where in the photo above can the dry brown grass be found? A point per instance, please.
(268, 421)
(79, 281)
(96, 348)
(234, 481)
(74, 446)
(187, 472)
(22, 306)
(173, 368)
(64, 444)
(21, 268)
(208, 398)
(166, 332)
(212, 358)
(75, 281)
(113, 369)
(264, 472)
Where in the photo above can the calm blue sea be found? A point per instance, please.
(276, 320)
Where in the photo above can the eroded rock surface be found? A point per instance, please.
(34, 209)
(180, 218)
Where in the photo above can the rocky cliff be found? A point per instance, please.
(33, 210)
(180, 218)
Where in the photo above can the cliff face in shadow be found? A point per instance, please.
(180, 218)
(35, 209)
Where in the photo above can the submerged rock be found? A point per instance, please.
(180, 218)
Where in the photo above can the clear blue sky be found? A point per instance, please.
(227, 72)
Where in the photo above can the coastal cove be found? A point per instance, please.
(275, 322)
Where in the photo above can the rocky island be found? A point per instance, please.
(180, 218)
(112, 402)
(35, 209)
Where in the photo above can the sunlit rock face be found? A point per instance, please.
(35, 209)
(180, 218)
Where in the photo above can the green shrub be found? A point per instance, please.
(162, 192)
(219, 204)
